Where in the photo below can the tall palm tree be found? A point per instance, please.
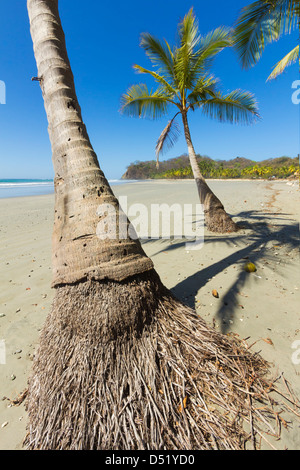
(184, 82)
(121, 363)
(261, 23)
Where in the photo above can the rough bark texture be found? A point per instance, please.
(80, 186)
(216, 218)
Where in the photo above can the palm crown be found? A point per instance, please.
(183, 76)
(261, 23)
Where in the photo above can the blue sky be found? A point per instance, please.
(103, 44)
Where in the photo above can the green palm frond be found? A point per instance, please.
(235, 107)
(287, 60)
(158, 78)
(167, 138)
(260, 23)
(185, 54)
(211, 45)
(208, 48)
(138, 101)
(196, 53)
(160, 54)
(205, 88)
(188, 31)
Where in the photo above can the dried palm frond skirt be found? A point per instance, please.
(127, 366)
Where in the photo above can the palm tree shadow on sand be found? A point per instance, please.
(263, 228)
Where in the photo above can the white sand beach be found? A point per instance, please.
(262, 306)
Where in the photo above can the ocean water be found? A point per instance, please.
(33, 187)
(25, 187)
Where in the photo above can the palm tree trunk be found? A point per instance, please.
(121, 362)
(80, 186)
(216, 218)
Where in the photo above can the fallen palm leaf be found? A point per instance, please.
(268, 340)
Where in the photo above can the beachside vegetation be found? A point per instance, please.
(238, 168)
(185, 82)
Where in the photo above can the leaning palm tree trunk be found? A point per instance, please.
(216, 218)
(80, 186)
(121, 363)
